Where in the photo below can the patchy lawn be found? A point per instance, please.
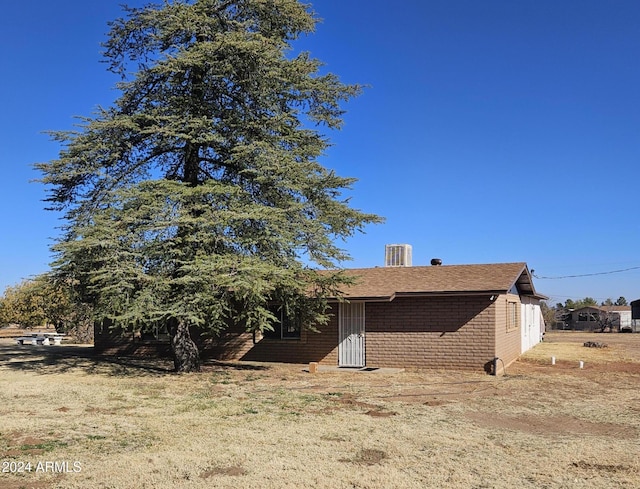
(80, 421)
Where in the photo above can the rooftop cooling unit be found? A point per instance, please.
(397, 255)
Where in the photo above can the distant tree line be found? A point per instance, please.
(590, 301)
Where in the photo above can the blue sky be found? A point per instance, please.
(491, 131)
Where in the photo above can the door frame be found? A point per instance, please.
(351, 334)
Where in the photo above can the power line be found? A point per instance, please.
(585, 274)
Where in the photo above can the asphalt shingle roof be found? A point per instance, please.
(385, 283)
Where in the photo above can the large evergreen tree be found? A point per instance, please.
(197, 198)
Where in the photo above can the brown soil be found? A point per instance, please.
(550, 425)
(367, 456)
(24, 444)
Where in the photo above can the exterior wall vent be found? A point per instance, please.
(397, 255)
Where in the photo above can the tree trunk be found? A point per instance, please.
(186, 357)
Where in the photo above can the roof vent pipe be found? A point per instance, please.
(436, 262)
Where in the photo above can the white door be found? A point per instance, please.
(530, 326)
(351, 331)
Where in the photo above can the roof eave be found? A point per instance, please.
(390, 298)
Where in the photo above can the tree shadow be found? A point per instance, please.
(46, 360)
(212, 364)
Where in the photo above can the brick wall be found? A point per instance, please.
(107, 341)
(421, 332)
(508, 340)
(313, 346)
(438, 332)
(234, 344)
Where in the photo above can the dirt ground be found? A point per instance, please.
(132, 423)
(627, 343)
(621, 352)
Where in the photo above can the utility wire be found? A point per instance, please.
(585, 274)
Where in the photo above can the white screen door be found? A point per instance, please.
(351, 331)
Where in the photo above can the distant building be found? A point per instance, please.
(635, 315)
(600, 318)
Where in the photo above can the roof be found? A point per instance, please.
(616, 308)
(386, 283)
(606, 308)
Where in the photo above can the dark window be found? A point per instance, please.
(284, 327)
(156, 331)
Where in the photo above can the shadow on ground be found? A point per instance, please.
(60, 359)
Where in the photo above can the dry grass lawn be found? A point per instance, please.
(129, 423)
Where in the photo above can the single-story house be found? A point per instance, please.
(596, 318)
(453, 316)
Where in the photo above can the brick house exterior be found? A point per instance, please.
(455, 316)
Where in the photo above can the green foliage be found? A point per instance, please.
(24, 304)
(570, 304)
(199, 196)
(620, 302)
(44, 301)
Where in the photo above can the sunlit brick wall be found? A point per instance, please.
(436, 332)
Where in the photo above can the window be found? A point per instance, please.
(285, 327)
(155, 332)
(512, 315)
(588, 316)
